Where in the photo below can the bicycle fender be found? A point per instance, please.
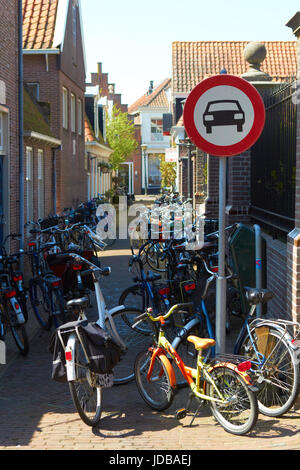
(161, 354)
(70, 364)
(234, 367)
(116, 309)
(285, 334)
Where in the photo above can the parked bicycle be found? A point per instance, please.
(271, 345)
(225, 386)
(116, 321)
(11, 315)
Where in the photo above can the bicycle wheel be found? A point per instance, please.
(238, 414)
(39, 303)
(21, 339)
(135, 340)
(57, 303)
(156, 392)
(85, 391)
(134, 296)
(278, 378)
(154, 257)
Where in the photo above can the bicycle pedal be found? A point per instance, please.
(181, 413)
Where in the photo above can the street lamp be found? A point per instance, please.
(144, 149)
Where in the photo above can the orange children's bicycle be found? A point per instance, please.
(225, 386)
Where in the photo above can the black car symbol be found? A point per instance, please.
(223, 113)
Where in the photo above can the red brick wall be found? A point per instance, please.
(9, 75)
(71, 175)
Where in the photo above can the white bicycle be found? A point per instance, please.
(85, 386)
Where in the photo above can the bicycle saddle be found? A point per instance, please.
(201, 343)
(76, 304)
(257, 296)
(151, 276)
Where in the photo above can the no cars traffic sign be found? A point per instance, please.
(224, 115)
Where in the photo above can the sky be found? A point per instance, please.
(133, 38)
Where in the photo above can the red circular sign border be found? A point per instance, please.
(251, 137)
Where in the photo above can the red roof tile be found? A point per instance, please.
(193, 61)
(156, 99)
(39, 18)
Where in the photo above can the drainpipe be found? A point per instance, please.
(21, 125)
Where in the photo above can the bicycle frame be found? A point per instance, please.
(191, 375)
(103, 313)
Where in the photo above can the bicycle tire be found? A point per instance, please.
(85, 393)
(153, 258)
(239, 416)
(40, 304)
(57, 303)
(275, 398)
(134, 296)
(134, 340)
(156, 392)
(20, 336)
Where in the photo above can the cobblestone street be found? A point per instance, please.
(37, 413)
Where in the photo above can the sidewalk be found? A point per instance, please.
(37, 413)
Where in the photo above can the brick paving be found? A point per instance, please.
(37, 413)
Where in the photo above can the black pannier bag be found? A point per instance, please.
(102, 351)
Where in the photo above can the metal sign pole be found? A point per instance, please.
(221, 279)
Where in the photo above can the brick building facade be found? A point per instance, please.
(9, 130)
(54, 66)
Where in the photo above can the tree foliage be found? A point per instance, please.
(168, 172)
(120, 136)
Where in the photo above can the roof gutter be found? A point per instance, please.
(41, 51)
(45, 138)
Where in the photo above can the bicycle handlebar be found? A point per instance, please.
(161, 318)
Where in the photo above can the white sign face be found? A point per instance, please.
(224, 115)
(171, 154)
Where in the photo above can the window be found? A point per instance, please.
(79, 117)
(40, 185)
(29, 185)
(34, 89)
(1, 132)
(156, 129)
(73, 113)
(154, 174)
(65, 108)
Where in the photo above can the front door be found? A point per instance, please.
(125, 174)
(154, 174)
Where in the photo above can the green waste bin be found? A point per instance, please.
(243, 260)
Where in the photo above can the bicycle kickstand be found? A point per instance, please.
(191, 397)
(181, 413)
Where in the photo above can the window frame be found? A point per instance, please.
(80, 118)
(65, 120)
(41, 184)
(156, 136)
(73, 112)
